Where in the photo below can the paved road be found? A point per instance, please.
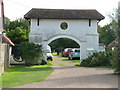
(77, 77)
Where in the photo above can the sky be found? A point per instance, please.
(14, 9)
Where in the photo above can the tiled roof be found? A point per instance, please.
(114, 42)
(63, 14)
(5, 39)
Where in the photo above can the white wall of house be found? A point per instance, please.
(78, 30)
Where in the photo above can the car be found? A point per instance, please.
(66, 52)
(49, 54)
(101, 48)
(75, 53)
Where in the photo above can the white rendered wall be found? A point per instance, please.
(80, 30)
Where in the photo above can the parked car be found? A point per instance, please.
(66, 52)
(49, 54)
(75, 53)
(101, 48)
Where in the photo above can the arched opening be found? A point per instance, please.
(64, 36)
(60, 43)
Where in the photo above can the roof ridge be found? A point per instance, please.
(64, 14)
(63, 9)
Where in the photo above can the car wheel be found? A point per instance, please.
(72, 58)
(51, 59)
(69, 58)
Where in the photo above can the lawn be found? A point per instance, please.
(73, 62)
(0, 81)
(64, 60)
(55, 54)
(20, 74)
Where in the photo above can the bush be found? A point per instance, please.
(116, 61)
(108, 58)
(18, 35)
(31, 53)
(98, 59)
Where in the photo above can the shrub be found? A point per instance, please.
(97, 59)
(31, 53)
(116, 61)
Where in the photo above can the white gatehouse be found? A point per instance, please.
(78, 25)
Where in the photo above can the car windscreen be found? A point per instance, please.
(66, 50)
(48, 51)
(78, 51)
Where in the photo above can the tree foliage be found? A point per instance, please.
(61, 43)
(17, 30)
(115, 17)
(7, 22)
(116, 61)
(106, 34)
(31, 53)
(12, 25)
(98, 59)
(18, 35)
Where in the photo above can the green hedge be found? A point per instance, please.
(116, 61)
(31, 53)
(98, 59)
(107, 58)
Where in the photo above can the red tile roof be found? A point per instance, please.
(7, 40)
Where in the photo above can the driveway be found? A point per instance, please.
(69, 76)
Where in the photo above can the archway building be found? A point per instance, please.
(78, 25)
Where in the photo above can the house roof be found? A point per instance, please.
(114, 42)
(5, 39)
(63, 14)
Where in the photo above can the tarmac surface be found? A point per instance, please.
(69, 76)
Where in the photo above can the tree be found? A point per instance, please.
(18, 35)
(106, 34)
(17, 23)
(61, 43)
(31, 53)
(116, 22)
(118, 31)
(17, 30)
(7, 22)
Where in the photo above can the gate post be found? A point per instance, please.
(83, 51)
(44, 46)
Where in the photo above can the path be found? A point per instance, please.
(69, 76)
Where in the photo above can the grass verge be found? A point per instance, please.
(96, 66)
(0, 81)
(77, 63)
(55, 54)
(72, 62)
(20, 74)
